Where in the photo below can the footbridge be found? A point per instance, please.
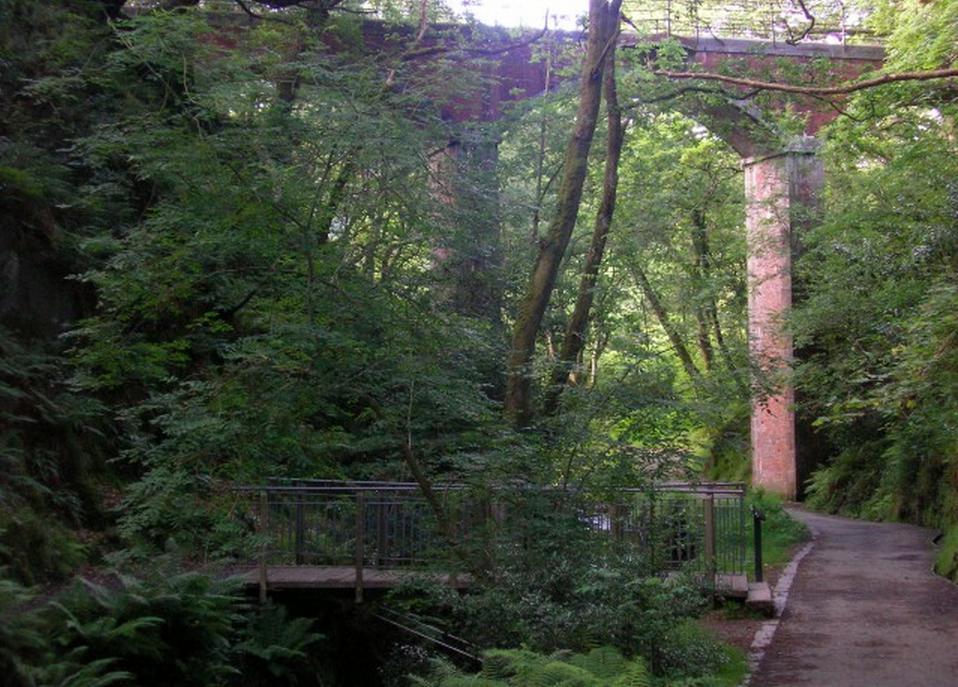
(360, 536)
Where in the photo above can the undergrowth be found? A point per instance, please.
(780, 531)
(173, 628)
(946, 563)
(701, 663)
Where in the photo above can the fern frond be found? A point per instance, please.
(603, 662)
(635, 675)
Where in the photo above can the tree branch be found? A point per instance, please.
(795, 40)
(947, 73)
(662, 314)
(253, 15)
(693, 89)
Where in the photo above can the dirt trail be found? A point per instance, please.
(865, 611)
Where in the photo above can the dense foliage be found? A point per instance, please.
(599, 666)
(182, 628)
(525, 669)
(879, 315)
(251, 296)
(240, 240)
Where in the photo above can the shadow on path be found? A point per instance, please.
(865, 610)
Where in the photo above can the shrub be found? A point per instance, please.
(688, 651)
(946, 563)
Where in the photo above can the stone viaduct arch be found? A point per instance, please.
(783, 184)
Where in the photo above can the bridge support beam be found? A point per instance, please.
(782, 192)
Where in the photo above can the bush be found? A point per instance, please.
(946, 563)
(51, 450)
(688, 651)
(35, 547)
(780, 532)
(550, 584)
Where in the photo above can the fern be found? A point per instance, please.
(604, 662)
(470, 681)
(559, 674)
(499, 664)
(74, 671)
(635, 675)
(600, 667)
(278, 642)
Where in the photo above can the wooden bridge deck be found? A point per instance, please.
(305, 577)
(344, 577)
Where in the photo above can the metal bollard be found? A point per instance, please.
(757, 518)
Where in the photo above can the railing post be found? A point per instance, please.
(757, 518)
(616, 524)
(360, 540)
(709, 505)
(299, 535)
(652, 535)
(382, 526)
(742, 546)
(263, 544)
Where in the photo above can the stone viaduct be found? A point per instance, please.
(784, 179)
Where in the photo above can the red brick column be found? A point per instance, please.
(779, 190)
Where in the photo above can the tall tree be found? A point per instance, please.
(575, 333)
(603, 26)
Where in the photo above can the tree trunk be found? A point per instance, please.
(700, 246)
(663, 316)
(598, 348)
(575, 333)
(707, 312)
(603, 20)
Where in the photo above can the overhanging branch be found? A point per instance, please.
(842, 89)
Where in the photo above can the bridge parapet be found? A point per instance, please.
(504, 69)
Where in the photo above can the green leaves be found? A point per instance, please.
(877, 319)
(172, 627)
(277, 643)
(521, 668)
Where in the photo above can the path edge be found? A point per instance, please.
(766, 631)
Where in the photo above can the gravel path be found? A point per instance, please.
(865, 610)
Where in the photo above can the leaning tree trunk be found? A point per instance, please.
(702, 272)
(603, 20)
(575, 333)
(681, 350)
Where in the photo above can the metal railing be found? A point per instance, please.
(671, 526)
(776, 21)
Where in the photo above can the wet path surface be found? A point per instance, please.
(865, 610)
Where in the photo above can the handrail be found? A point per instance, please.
(379, 525)
(353, 486)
